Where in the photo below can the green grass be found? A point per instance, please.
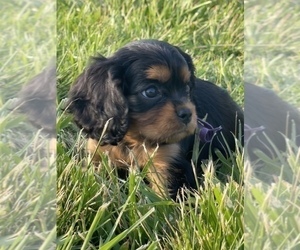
(27, 183)
(27, 42)
(211, 32)
(96, 210)
(272, 60)
(271, 47)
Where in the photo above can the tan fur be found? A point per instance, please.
(128, 154)
(185, 74)
(158, 72)
(159, 173)
(91, 148)
(163, 125)
(139, 147)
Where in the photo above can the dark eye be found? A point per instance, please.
(150, 92)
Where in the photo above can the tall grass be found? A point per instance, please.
(272, 60)
(27, 182)
(96, 209)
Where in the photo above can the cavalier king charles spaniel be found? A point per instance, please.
(143, 105)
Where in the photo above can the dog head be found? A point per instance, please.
(142, 92)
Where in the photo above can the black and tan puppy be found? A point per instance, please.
(150, 99)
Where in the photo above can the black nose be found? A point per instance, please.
(184, 114)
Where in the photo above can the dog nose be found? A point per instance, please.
(184, 114)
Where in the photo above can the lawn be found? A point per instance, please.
(97, 210)
(75, 206)
(271, 212)
(27, 183)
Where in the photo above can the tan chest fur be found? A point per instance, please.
(128, 154)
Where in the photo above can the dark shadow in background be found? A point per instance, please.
(37, 100)
(28, 125)
(272, 124)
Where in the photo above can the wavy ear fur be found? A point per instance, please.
(97, 97)
(189, 62)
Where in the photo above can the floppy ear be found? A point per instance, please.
(96, 98)
(189, 62)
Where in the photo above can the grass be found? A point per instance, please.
(27, 182)
(272, 59)
(271, 42)
(204, 30)
(97, 210)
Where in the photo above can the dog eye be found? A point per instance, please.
(150, 92)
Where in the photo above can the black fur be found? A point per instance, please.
(110, 90)
(96, 98)
(37, 100)
(217, 107)
(98, 93)
(264, 108)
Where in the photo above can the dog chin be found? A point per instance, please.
(177, 137)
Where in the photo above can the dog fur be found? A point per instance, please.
(141, 106)
(37, 100)
(277, 119)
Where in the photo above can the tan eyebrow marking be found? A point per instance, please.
(158, 72)
(185, 74)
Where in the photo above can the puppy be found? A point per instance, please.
(141, 106)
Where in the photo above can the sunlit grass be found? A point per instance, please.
(272, 206)
(27, 182)
(96, 209)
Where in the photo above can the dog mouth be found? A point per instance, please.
(205, 131)
(177, 135)
(168, 135)
(164, 125)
